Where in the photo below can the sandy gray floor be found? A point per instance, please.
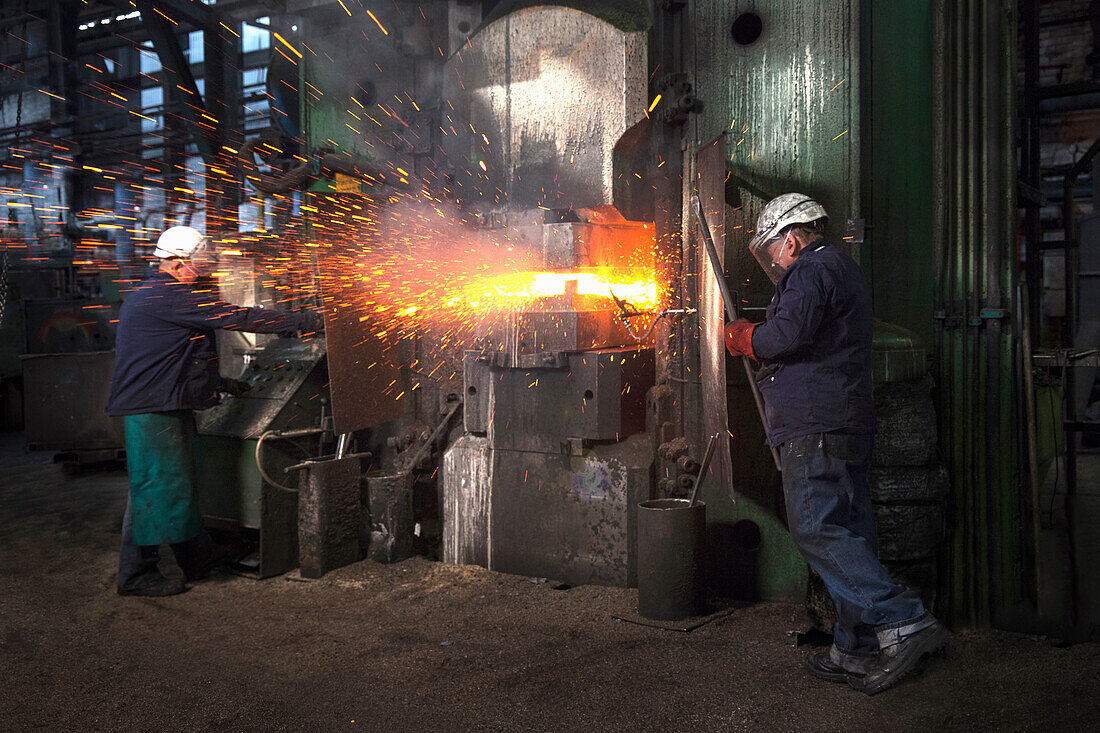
(420, 645)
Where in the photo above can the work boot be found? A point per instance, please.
(838, 666)
(153, 586)
(898, 660)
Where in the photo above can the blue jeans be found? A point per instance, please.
(830, 520)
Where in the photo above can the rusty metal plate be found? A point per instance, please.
(364, 382)
(365, 377)
(710, 177)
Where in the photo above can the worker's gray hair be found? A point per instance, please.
(817, 226)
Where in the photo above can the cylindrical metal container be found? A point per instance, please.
(671, 547)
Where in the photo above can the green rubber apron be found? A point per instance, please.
(161, 464)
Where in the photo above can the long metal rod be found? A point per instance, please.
(732, 312)
(711, 444)
(411, 461)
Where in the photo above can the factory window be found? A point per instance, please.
(256, 115)
(255, 39)
(194, 50)
(153, 202)
(152, 104)
(747, 28)
(150, 62)
(196, 176)
(254, 80)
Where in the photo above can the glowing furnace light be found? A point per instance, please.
(532, 285)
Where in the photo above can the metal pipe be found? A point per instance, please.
(419, 454)
(624, 318)
(1032, 447)
(1032, 162)
(342, 444)
(32, 186)
(703, 468)
(280, 435)
(319, 459)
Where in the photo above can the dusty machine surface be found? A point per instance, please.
(287, 393)
(549, 488)
(555, 456)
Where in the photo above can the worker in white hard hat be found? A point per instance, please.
(815, 346)
(166, 366)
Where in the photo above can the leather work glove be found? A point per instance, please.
(234, 387)
(311, 323)
(739, 338)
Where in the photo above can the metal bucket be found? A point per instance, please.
(671, 548)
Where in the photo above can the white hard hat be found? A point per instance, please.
(180, 242)
(781, 212)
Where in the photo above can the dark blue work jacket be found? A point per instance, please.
(166, 357)
(816, 348)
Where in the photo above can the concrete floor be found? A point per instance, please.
(434, 647)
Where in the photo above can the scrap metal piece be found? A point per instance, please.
(387, 529)
(329, 511)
